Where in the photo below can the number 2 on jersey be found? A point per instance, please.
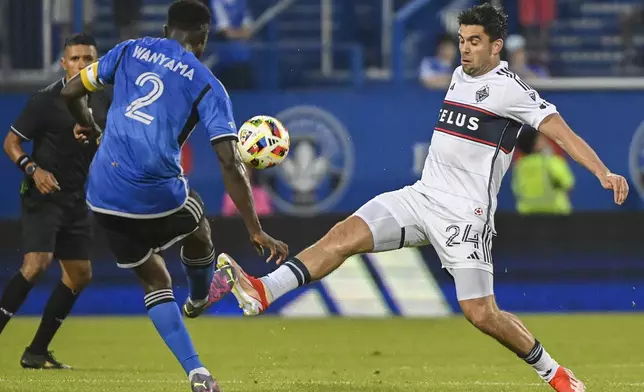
(133, 110)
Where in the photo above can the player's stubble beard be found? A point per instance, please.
(487, 66)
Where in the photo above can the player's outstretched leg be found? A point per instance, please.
(474, 290)
(76, 276)
(206, 285)
(166, 317)
(347, 238)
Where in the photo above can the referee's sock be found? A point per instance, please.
(199, 273)
(58, 306)
(165, 315)
(14, 295)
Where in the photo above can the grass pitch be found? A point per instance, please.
(352, 355)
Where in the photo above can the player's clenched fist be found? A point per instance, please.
(617, 183)
(82, 134)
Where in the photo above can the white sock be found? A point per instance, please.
(542, 362)
(280, 282)
(202, 370)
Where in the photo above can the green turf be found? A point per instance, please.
(271, 354)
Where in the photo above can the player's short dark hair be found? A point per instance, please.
(527, 140)
(493, 19)
(80, 39)
(188, 15)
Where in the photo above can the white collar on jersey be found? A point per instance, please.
(502, 64)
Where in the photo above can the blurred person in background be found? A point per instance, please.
(519, 62)
(261, 198)
(436, 71)
(5, 58)
(63, 18)
(233, 22)
(536, 18)
(127, 18)
(630, 23)
(541, 179)
(55, 219)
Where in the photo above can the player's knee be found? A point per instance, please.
(198, 248)
(154, 275)
(35, 264)
(480, 313)
(79, 274)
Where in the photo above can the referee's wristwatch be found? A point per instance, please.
(31, 168)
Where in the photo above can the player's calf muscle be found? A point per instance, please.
(347, 238)
(506, 328)
(154, 275)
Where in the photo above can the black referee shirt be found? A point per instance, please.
(46, 121)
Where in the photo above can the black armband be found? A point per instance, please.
(23, 161)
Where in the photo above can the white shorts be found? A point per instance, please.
(459, 233)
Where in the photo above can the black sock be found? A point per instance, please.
(60, 303)
(299, 269)
(534, 355)
(13, 297)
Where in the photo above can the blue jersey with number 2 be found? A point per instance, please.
(161, 93)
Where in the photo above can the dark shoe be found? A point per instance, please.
(41, 361)
(203, 383)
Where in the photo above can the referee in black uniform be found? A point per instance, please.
(55, 218)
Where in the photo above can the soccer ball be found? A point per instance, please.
(263, 142)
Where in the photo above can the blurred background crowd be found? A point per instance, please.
(307, 45)
(314, 42)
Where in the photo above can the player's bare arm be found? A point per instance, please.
(556, 128)
(75, 94)
(239, 189)
(44, 180)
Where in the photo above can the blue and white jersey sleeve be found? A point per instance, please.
(216, 114)
(95, 76)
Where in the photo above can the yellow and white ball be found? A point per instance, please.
(263, 142)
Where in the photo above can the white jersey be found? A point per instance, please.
(475, 135)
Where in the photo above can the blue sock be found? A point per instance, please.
(199, 273)
(165, 315)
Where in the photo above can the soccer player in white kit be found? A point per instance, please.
(452, 206)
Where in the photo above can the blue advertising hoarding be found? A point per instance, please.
(349, 146)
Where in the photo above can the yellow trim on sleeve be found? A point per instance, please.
(89, 77)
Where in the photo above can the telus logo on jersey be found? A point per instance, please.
(320, 164)
(477, 125)
(451, 117)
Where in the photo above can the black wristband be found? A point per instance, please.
(23, 161)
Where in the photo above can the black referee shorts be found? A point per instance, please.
(133, 241)
(57, 223)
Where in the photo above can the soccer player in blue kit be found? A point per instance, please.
(136, 186)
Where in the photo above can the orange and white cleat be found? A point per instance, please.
(565, 381)
(250, 292)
